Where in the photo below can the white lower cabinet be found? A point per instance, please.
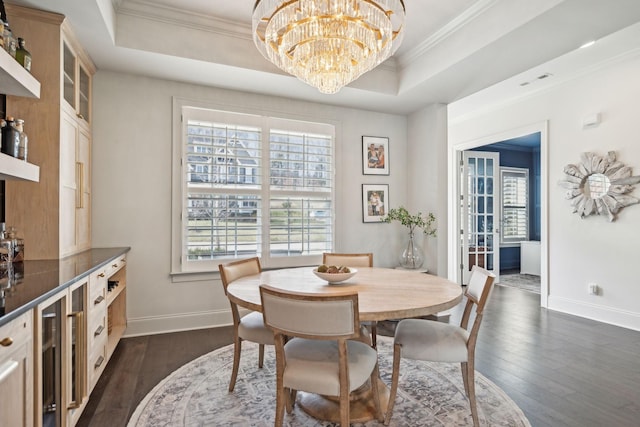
(16, 372)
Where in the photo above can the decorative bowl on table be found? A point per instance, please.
(336, 277)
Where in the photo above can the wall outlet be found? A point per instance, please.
(594, 289)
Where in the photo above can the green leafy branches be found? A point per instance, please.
(401, 214)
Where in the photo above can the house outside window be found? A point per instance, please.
(254, 186)
(515, 205)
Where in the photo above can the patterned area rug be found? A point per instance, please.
(429, 395)
(525, 282)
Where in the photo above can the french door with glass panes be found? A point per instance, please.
(480, 191)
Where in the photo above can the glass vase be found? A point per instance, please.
(412, 257)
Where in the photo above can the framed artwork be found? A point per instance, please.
(375, 155)
(375, 199)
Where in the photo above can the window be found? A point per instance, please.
(253, 186)
(515, 205)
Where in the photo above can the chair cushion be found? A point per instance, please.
(252, 328)
(312, 365)
(430, 340)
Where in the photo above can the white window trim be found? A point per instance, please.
(177, 187)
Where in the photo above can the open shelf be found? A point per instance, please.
(12, 168)
(115, 293)
(116, 309)
(15, 80)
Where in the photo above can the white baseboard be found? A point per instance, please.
(600, 313)
(177, 322)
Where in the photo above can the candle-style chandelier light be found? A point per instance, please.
(328, 43)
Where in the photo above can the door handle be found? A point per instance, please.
(80, 365)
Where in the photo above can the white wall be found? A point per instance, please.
(427, 167)
(590, 249)
(131, 187)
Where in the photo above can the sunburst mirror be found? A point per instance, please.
(599, 185)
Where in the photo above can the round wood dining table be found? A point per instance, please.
(383, 294)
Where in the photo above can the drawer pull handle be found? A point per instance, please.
(98, 331)
(98, 300)
(114, 265)
(98, 362)
(101, 275)
(123, 260)
(6, 342)
(7, 368)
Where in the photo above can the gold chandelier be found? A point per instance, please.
(328, 43)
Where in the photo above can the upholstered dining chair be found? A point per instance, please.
(350, 260)
(315, 351)
(430, 340)
(250, 327)
(354, 260)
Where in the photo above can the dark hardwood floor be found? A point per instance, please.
(561, 370)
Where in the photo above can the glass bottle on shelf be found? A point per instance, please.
(6, 249)
(10, 138)
(9, 40)
(22, 55)
(24, 140)
(1, 33)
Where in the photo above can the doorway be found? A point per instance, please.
(514, 225)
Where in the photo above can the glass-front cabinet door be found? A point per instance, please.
(49, 361)
(69, 79)
(76, 362)
(61, 357)
(84, 94)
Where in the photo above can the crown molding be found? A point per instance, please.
(169, 15)
(475, 10)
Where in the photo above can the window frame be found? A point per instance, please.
(514, 241)
(179, 264)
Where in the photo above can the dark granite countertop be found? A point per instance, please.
(44, 278)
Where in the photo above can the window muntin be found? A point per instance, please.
(255, 186)
(515, 205)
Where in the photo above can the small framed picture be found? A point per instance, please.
(375, 199)
(375, 155)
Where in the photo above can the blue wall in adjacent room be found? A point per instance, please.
(522, 152)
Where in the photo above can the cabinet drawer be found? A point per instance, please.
(97, 299)
(15, 333)
(96, 363)
(116, 265)
(97, 330)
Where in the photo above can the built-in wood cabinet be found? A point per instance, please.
(56, 213)
(16, 372)
(107, 315)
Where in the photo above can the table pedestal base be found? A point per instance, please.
(362, 408)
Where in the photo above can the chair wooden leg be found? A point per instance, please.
(374, 332)
(465, 377)
(397, 349)
(280, 402)
(345, 420)
(291, 400)
(237, 346)
(376, 393)
(260, 355)
(472, 393)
